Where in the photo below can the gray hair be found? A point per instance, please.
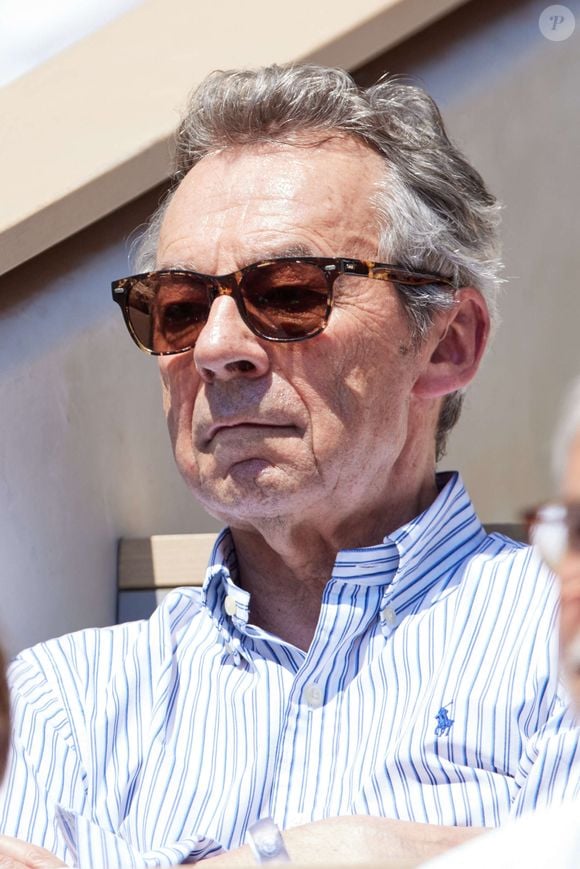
(567, 431)
(434, 209)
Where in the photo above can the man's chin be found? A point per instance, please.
(252, 491)
(252, 472)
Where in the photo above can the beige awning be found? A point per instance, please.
(91, 128)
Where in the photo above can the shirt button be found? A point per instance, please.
(313, 695)
(230, 605)
(390, 616)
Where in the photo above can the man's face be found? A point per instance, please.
(570, 585)
(264, 430)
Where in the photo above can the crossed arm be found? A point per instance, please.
(344, 840)
(361, 839)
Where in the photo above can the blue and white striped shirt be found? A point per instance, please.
(429, 692)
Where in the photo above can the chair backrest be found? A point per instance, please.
(514, 530)
(149, 567)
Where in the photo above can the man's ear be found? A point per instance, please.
(454, 349)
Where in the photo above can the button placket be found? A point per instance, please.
(389, 618)
(233, 647)
(230, 605)
(314, 695)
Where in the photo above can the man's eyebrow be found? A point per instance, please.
(295, 250)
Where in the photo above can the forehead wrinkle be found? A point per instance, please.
(294, 250)
(272, 253)
(290, 221)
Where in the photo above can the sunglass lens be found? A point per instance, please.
(286, 300)
(168, 311)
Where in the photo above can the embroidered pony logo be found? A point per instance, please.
(444, 722)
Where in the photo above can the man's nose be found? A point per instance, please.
(226, 347)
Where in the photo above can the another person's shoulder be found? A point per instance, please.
(547, 837)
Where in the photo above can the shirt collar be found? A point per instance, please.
(448, 523)
(434, 542)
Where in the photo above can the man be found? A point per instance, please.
(364, 666)
(550, 837)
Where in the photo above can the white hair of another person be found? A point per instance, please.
(567, 431)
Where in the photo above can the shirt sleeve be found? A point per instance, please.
(45, 795)
(90, 845)
(549, 769)
(44, 768)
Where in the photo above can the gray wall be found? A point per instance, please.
(84, 456)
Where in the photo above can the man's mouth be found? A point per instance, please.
(242, 426)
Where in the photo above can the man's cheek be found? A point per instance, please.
(172, 415)
(166, 398)
(186, 459)
(177, 397)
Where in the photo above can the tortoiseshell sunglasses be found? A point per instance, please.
(287, 299)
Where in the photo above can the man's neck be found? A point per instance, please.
(285, 563)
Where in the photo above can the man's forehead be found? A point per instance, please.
(252, 256)
(282, 200)
(281, 167)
